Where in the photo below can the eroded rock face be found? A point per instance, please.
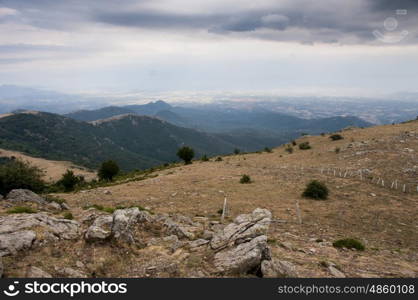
(17, 231)
(243, 258)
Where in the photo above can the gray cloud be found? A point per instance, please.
(322, 21)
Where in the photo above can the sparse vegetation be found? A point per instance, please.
(17, 174)
(316, 190)
(304, 146)
(237, 151)
(268, 150)
(186, 154)
(204, 158)
(50, 198)
(336, 137)
(69, 181)
(294, 143)
(337, 150)
(219, 159)
(349, 243)
(21, 210)
(245, 179)
(68, 216)
(108, 170)
(289, 149)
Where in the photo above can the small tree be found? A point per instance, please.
(17, 174)
(186, 153)
(316, 190)
(236, 151)
(69, 180)
(108, 170)
(294, 143)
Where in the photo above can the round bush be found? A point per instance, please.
(316, 190)
(349, 244)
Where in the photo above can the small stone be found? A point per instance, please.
(335, 272)
(373, 194)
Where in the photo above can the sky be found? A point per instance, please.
(359, 47)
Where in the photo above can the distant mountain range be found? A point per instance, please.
(260, 121)
(142, 136)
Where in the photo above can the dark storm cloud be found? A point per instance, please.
(304, 21)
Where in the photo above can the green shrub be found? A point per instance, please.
(108, 170)
(237, 151)
(69, 181)
(21, 210)
(16, 174)
(316, 190)
(349, 244)
(336, 137)
(294, 143)
(68, 216)
(304, 146)
(219, 159)
(50, 198)
(245, 179)
(204, 158)
(268, 150)
(289, 149)
(186, 153)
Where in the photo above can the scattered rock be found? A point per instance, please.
(373, 194)
(278, 269)
(54, 206)
(207, 235)
(107, 192)
(197, 243)
(34, 272)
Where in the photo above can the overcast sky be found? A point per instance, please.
(359, 46)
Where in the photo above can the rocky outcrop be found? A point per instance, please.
(242, 246)
(244, 229)
(21, 196)
(18, 232)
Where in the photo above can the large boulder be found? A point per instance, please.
(244, 258)
(22, 195)
(121, 225)
(13, 242)
(101, 229)
(244, 229)
(278, 269)
(17, 232)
